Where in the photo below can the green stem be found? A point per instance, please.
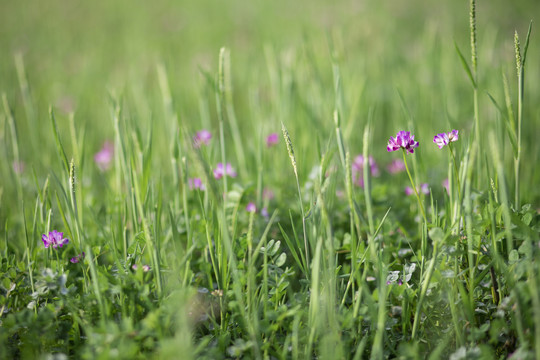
(414, 187)
(456, 172)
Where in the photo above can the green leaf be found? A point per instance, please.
(281, 259)
(436, 234)
(513, 256)
(465, 66)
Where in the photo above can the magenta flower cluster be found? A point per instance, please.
(403, 140)
(445, 138)
(358, 169)
(196, 183)
(222, 170)
(424, 189)
(103, 158)
(77, 258)
(55, 239)
(251, 208)
(272, 139)
(202, 137)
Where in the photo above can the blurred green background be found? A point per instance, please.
(76, 53)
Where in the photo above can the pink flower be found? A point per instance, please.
(145, 268)
(201, 138)
(221, 170)
(403, 140)
(358, 165)
(357, 168)
(424, 189)
(396, 166)
(196, 183)
(77, 258)
(272, 139)
(251, 208)
(443, 139)
(55, 238)
(103, 158)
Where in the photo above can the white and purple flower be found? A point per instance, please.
(221, 171)
(403, 140)
(443, 139)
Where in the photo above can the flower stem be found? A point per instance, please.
(456, 172)
(414, 188)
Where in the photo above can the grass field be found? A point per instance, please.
(210, 180)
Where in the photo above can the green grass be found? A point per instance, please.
(333, 270)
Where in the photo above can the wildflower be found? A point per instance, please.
(358, 165)
(201, 138)
(251, 208)
(103, 158)
(424, 188)
(77, 258)
(264, 212)
(396, 166)
(145, 268)
(221, 170)
(196, 183)
(445, 138)
(403, 140)
(272, 139)
(55, 239)
(358, 169)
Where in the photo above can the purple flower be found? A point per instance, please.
(264, 212)
(201, 138)
(272, 139)
(77, 258)
(145, 268)
(445, 138)
(196, 183)
(396, 166)
(424, 189)
(453, 135)
(251, 208)
(404, 140)
(104, 157)
(221, 170)
(357, 168)
(358, 165)
(55, 239)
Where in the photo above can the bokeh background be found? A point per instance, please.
(75, 54)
